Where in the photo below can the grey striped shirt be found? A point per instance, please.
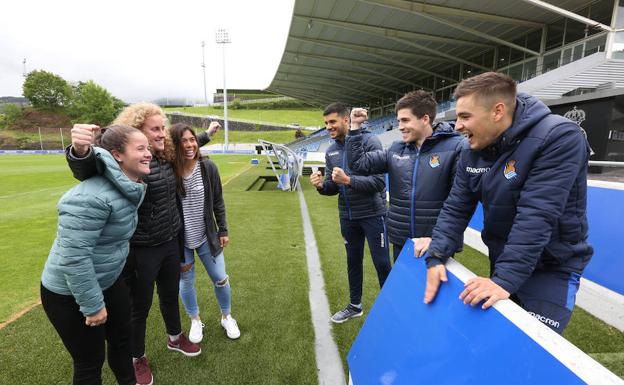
(193, 209)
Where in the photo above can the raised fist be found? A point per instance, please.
(213, 128)
(358, 116)
(340, 177)
(82, 136)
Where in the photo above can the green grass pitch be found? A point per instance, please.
(266, 264)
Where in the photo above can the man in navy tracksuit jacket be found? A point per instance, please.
(528, 167)
(420, 168)
(361, 205)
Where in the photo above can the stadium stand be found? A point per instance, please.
(569, 53)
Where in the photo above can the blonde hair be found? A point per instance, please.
(135, 116)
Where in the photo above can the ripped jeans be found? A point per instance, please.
(215, 266)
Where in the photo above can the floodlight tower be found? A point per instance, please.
(203, 65)
(223, 38)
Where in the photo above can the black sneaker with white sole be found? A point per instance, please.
(348, 312)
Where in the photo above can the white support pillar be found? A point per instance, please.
(614, 27)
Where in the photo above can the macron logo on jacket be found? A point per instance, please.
(477, 170)
(399, 157)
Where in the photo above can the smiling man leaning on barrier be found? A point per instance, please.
(528, 167)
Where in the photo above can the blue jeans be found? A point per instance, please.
(215, 266)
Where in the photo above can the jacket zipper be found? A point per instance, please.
(413, 193)
(343, 187)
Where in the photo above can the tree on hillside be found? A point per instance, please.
(92, 103)
(12, 113)
(46, 90)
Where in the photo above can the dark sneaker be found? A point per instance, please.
(184, 346)
(348, 312)
(142, 372)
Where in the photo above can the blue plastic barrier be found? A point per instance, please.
(605, 214)
(403, 341)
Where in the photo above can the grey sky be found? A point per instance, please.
(143, 50)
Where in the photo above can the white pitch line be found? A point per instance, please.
(328, 362)
(34, 191)
(237, 175)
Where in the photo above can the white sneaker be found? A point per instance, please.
(197, 333)
(231, 327)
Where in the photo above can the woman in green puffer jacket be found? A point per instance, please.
(81, 290)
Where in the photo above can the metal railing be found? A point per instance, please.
(605, 163)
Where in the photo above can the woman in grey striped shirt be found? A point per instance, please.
(205, 229)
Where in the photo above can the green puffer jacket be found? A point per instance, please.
(96, 220)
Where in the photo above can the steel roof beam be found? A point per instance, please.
(324, 72)
(373, 52)
(405, 53)
(433, 54)
(359, 64)
(357, 94)
(307, 95)
(418, 9)
(339, 79)
(336, 70)
(450, 11)
(394, 34)
(310, 98)
(332, 95)
(330, 85)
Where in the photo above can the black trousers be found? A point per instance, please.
(354, 232)
(145, 266)
(87, 344)
(396, 250)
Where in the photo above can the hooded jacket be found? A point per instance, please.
(532, 183)
(365, 196)
(419, 178)
(96, 219)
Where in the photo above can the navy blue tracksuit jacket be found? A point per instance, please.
(419, 178)
(362, 208)
(365, 197)
(533, 186)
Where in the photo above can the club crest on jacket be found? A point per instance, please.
(434, 161)
(510, 170)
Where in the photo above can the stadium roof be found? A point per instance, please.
(368, 52)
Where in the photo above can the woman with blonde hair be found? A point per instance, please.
(156, 247)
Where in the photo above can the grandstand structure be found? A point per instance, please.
(368, 53)
(569, 53)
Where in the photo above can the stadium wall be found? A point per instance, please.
(197, 121)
